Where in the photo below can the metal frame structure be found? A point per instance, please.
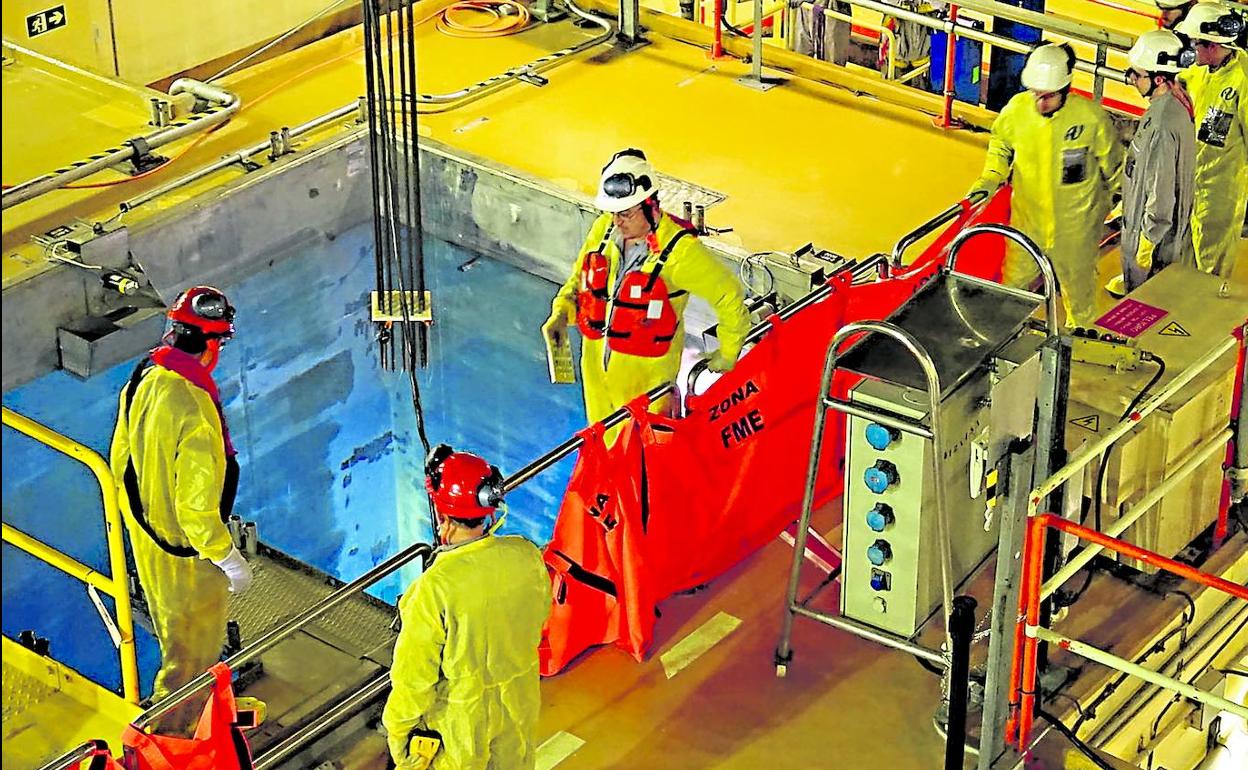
(116, 584)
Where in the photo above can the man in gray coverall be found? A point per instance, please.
(1161, 168)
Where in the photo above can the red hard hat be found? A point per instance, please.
(462, 485)
(206, 309)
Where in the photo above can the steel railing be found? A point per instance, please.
(116, 585)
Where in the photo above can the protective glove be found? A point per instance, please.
(237, 570)
(718, 362)
(561, 315)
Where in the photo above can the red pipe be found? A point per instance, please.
(951, 50)
(1033, 579)
(1224, 504)
(717, 43)
(1148, 557)
(1023, 675)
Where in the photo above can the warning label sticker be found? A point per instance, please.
(1131, 318)
(1092, 422)
(1173, 329)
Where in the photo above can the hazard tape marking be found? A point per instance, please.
(696, 644)
(557, 748)
(1173, 329)
(1092, 422)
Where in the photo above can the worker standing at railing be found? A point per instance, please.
(465, 691)
(1218, 84)
(174, 463)
(1161, 167)
(1064, 160)
(1173, 11)
(628, 291)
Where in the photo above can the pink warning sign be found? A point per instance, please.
(1131, 318)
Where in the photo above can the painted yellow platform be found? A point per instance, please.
(49, 709)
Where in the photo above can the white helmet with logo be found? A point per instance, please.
(1157, 51)
(1049, 68)
(1213, 22)
(628, 179)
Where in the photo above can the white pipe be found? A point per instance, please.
(1199, 455)
(1088, 451)
(1127, 667)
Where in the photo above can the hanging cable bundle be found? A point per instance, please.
(401, 305)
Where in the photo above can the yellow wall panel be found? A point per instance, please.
(86, 39)
(157, 38)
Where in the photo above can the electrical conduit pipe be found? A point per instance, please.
(223, 105)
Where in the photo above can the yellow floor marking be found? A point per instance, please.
(689, 649)
(557, 748)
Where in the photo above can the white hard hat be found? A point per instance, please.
(1170, 5)
(1210, 21)
(628, 179)
(1049, 68)
(1156, 51)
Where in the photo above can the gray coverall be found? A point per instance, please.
(1157, 192)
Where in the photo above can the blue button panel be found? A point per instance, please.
(880, 517)
(880, 437)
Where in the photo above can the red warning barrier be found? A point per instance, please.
(676, 502)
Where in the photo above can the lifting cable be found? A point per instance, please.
(390, 74)
(483, 18)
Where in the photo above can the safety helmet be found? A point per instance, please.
(1157, 51)
(1170, 5)
(628, 179)
(206, 309)
(461, 484)
(1049, 68)
(1213, 22)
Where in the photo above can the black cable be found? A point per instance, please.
(723, 21)
(1232, 672)
(1084, 748)
(1098, 492)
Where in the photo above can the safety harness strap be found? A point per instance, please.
(131, 477)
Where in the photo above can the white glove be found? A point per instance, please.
(237, 570)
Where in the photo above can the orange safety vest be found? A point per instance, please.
(642, 321)
(592, 292)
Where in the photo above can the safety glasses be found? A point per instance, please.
(623, 185)
(212, 306)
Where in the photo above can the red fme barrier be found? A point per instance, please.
(674, 503)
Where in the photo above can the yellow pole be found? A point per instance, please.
(117, 585)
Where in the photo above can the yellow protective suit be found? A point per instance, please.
(465, 663)
(690, 268)
(1064, 169)
(1221, 101)
(173, 434)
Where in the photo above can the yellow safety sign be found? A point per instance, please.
(1173, 329)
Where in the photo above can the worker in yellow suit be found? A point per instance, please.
(176, 477)
(1173, 11)
(465, 690)
(629, 288)
(1064, 160)
(1218, 84)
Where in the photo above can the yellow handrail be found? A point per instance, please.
(116, 585)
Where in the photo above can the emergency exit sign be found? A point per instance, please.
(45, 21)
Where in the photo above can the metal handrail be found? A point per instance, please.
(1029, 246)
(462, 96)
(828, 13)
(930, 226)
(117, 585)
(943, 530)
(1029, 632)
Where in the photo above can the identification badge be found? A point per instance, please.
(1075, 165)
(1215, 127)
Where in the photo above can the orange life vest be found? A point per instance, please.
(593, 293)
(642, 320)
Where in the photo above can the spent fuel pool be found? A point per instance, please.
(331, 462)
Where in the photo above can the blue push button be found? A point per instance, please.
(880, 477)
(881, 580)
(880, 517)
(880, 437)
(879, 552)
